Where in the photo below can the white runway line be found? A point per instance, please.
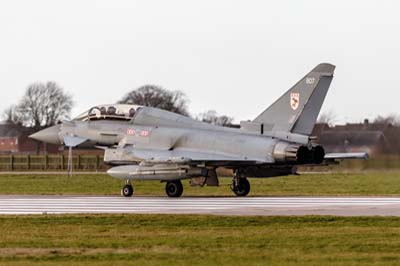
(349, 206)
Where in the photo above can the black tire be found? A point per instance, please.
(242, 188)
(174, 189)
(127, 191)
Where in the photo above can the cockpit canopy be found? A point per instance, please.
(122, 112)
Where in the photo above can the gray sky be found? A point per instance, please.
(235, 57)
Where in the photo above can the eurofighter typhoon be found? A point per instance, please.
(144, 143)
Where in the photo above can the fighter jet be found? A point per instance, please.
(144, 143)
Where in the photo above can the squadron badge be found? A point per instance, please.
(294, 100)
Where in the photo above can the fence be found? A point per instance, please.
(50, 162)
(95, 163)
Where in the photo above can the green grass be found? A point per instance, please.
(358, 184)
(198, 240)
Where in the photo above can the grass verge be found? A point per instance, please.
(198, 240)
(327, 184)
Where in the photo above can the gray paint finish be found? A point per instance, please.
(301, 104)
(154, 144)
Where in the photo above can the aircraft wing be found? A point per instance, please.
(180, 156)
(346, 156)
(183, 155)
(187, 156)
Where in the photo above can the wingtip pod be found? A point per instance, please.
(347, 156)
(325, 69)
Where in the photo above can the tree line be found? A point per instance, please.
(46, 103)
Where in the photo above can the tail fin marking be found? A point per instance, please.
(297, 110)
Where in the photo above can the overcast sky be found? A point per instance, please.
(235, 57)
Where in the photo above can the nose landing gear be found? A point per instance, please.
(127, 190)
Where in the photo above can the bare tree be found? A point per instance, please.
(156, 96)
(328, 118)
(212, 117)
(44, 105)
(392, 119)
(10, 116)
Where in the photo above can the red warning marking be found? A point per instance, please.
(131, 131)
(144, 133)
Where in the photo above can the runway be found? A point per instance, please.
(340, 206)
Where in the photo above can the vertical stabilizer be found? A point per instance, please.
(297, 110)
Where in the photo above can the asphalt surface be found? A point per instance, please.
(340, 206)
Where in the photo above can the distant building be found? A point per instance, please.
(363, 137)
(374, 138)
(14, 140)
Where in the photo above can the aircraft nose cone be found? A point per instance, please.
(49, 135)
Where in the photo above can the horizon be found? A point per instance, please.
(237, 61)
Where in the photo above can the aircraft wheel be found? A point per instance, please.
(174, 189)
(241, 187)
(127, 191)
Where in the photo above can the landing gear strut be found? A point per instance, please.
(240, 186)
(127, 190)
(174, 189)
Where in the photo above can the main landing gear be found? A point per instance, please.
(174, 189)
(127, 190)
(240, 186)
